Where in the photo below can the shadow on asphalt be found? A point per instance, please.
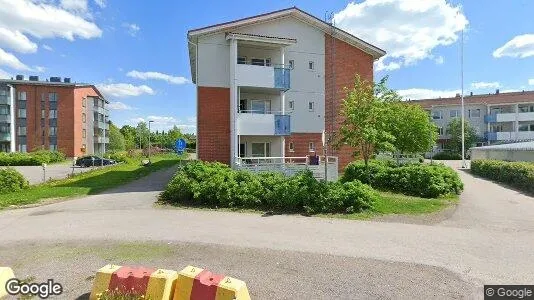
(95, 183)
(84, 296)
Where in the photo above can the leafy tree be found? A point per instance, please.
(116, 139)
(411, 127)
(365, 117)
(142, 134)
(129, 134)
(455, 130)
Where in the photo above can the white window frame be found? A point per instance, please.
(311, 147)
(291, 105)
(22, 112)
(291, 147)
(20, 96)
(440, 115)
(291, 64)
(479, 113)
(21, 131)
(457, 113)
(311, 64)
(440, 130)
(266, 149)
(312, 107)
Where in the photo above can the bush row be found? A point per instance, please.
(11, 181)
(422, 180)
(35, 158)
(445, 155)
(517, 174)
(217, 185)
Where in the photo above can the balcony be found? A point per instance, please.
(275, 77)
(509, 117)
(4, 99)
(101, 125)
(5, 137)
(101, 140)
(263, 124)
(5, 118)
(101, 110)
(509, 136)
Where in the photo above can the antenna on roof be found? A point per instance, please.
(329, 17)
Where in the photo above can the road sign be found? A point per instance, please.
(180, 145)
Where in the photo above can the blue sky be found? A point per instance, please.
(136, 51)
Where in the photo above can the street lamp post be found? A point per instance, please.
(462, 98)
(149, 146)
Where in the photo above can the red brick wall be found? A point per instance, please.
(213, 112)
(342, 63)
(301, 144)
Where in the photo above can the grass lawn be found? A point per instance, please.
(88, 183)
(391, 203)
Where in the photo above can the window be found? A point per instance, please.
(243, 105)
(83, 117)
(84, 102)
(53, 147)
(311, 65)
(454, 113)
(474, 113)
(22, 96)
(526, 108)
(84, 133)
(260, 106)
(242, 60)
(291, 64)
(311, 106)
(52, 131)
(22, 113)
(22, 130)
(291, 105)
(291, 147)
(52, 97)
(242, 150)
(496, 128)
(22, 148)
(43, 113)
(261, 149)
(4, 110)
(437, 115)
(311, 147)
(526, 127)
(260, 62)
(52, 114)
(440, 130)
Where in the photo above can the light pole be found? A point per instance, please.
(149, 141)
(462, 98)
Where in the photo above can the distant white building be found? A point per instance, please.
(509, 152)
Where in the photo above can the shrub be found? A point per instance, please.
(446, 155)
(35, 158)
(517, 174)
(11, 181)
(422, 180)
(217, 185)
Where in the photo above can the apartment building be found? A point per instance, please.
(497, 117)
(271, 84)
(53, 114)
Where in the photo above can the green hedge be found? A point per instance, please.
(217, 185)
(11, 181)
(447, 156)
(516, 174)
(422, 180)
(35, 158)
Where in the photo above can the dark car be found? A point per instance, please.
(91, 160)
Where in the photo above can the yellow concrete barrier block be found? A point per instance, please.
(231, 288)
(161, 285)
(198, 284)
(5, 274)
(102, 279)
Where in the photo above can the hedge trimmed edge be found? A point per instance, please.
(517, 174)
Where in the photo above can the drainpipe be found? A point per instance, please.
(196, 82)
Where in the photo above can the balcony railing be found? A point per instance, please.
(101, 125)
(5, 137)
(101, 140)
(4, 99)
(5, 118)
(276, 77)
(264, 123)
(290, 165)
(509, 117)
(509, 136)
(492, 118)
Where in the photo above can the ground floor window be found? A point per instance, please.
(242, 150)
(261, 149)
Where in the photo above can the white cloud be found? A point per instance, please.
(531, 81)
(4, 74)
(416, 94)
(77, 6)
(119, 106)
(485, 85)
(520, 46)
(9, 60)
(158, 76)
(407, 30)
(45, 20)
(16, 41)
(46, 47)
(123, 90)
(100, 3)
(131, 28)
(439, 60)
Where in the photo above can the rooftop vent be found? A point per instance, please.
(497, 92)
(457, 94)
(34, 78)
(19, 77)
(55, 79)
(66, 80)
(471, 93)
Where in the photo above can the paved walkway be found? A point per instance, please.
(488, 240)
(35, 174)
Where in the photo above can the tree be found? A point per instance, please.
(129, 134)
(411, 127)
(116, 139)
(454, 129)
(365, 115)
(142, 134)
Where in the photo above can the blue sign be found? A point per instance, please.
(180, 145)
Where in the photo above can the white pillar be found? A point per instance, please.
(12, 145)
(488, 125)
(233, 100)
(283, 103)
(516, 123)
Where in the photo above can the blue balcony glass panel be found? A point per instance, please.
(282, 78)
(490, 118)
(282, 125)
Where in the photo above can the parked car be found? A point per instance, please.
(91, 160)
